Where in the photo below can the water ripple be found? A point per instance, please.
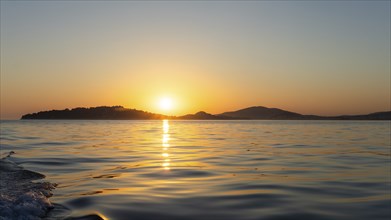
(228, 170)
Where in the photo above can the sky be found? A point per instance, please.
(323, 57)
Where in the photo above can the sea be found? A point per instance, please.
(201, 170)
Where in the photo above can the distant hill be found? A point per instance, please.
(372, 116)
(264, 113)
(204, 116)
(260, 112)
(251, 113)
(102, 112)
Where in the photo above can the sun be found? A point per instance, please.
(165, 104)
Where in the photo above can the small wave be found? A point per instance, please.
(87, 217)
(20, 197)
(181, 173)
(53, 143)
(8, 154)
(7, 138)
(107, 176)
(92, 193)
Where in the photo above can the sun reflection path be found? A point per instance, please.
(166, 145)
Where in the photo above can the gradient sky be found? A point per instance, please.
(325, 58)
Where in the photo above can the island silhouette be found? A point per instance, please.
(251, 113)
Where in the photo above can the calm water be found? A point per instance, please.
(208, 169)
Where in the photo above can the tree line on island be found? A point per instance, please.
(251, 113)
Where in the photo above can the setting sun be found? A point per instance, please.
(165, 104)
(197, 110)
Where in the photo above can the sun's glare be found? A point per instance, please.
(165, 104)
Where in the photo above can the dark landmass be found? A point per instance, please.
(260, 112)
(263, 113)
(372, 116)
(102, 113)
(251, 113)
(205, 116)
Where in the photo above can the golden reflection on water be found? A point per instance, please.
(166, 145)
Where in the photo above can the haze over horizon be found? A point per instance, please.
(322, 58)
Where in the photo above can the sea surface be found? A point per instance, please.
(218, 170)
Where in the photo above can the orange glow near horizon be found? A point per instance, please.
(144, 52)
